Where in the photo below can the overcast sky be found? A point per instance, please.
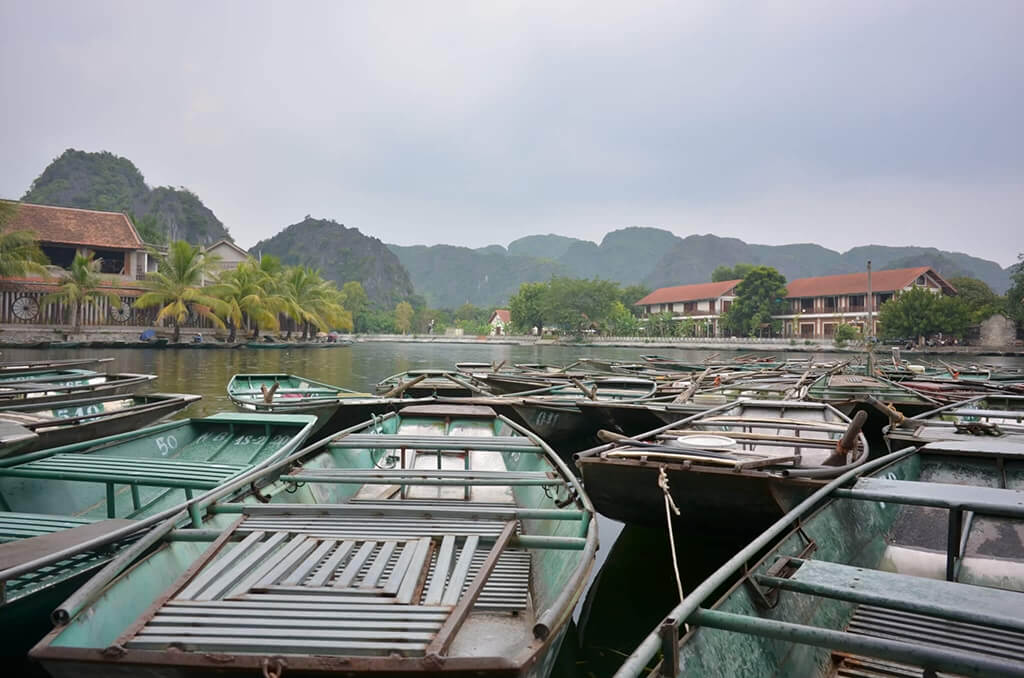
(478, 122)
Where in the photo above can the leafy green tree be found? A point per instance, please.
(979, 297)
(19, 251)
(378, 321)
(632, 294)
(1015, 295)
(737, 272)
(527, 307)
(355, 302)
(441, 319)
(252, 295)
(621, 322)
(844, 334)
(81, 286)
(148, 227)
(661, 325)
(919, 313)
(759, 296)
(178, 287)
(576, 303)
(314, 302)
(403, 317)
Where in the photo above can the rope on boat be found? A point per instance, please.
(670, 507)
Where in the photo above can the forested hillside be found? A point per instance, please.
(342, 254)
(104, 181)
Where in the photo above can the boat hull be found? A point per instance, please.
(707, 501)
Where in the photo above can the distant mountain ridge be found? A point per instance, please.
(450, 276)
(104, 181)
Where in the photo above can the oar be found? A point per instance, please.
(848, 442)
(403, 387)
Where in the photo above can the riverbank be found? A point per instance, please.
(112, 336)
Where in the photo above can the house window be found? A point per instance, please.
(113, 261)
(830, 304)
(59, 256)
(690, 307)
(726, 304)
(807, 305)
(856, 302)
(829, 329)
(920, 280)
(882, 298)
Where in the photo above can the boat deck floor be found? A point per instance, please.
(924, 630)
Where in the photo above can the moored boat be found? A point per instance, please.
(361, 557)
(84, 419)
(729, 469)
(57, 391)
(335, 408)
(17, 366)
(428, 382)
(998, 419)
(68, 510)
(903, 567)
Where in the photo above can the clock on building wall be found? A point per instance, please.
(121, 313)
(25, 308)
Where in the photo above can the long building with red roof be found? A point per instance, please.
(816, 306)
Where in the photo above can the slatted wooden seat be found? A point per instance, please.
(953, 601)
(290, 586)
(15, 526)
(135, 472)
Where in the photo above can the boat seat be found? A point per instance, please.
(424, 477)
(169, 473)
(991, 501)
(286, 590)
(922, 629)
(14, 526)
(948, 600)
(429, 442)
(50, 536)
(1008, 447)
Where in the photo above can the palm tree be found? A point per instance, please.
(81, 286)
(249, 294)
(19, 252)
(177, 287)
(313, 301)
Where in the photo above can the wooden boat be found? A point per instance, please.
(73, 421)
(20, 367)
(270, 344)
(553, 412)
(366, 558)
(993, 417)
(880, 398)
(729, 469)
(904, 567)
(335, 408)
(68, 510)
(427, 382)
(55, 392)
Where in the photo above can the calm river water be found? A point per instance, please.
(633, 585)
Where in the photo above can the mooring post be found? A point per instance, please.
(669, 632)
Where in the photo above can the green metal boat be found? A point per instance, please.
(66, 511)
(998, 418)
(438, 540)
(912, 565)
(70, 389)
(335, 408)
(427, 382)
(61, 377)
(20, 367)
(74, 421)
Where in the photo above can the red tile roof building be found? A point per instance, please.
(700, 302)
(815, 305)
(500, 321)
(63, 232)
